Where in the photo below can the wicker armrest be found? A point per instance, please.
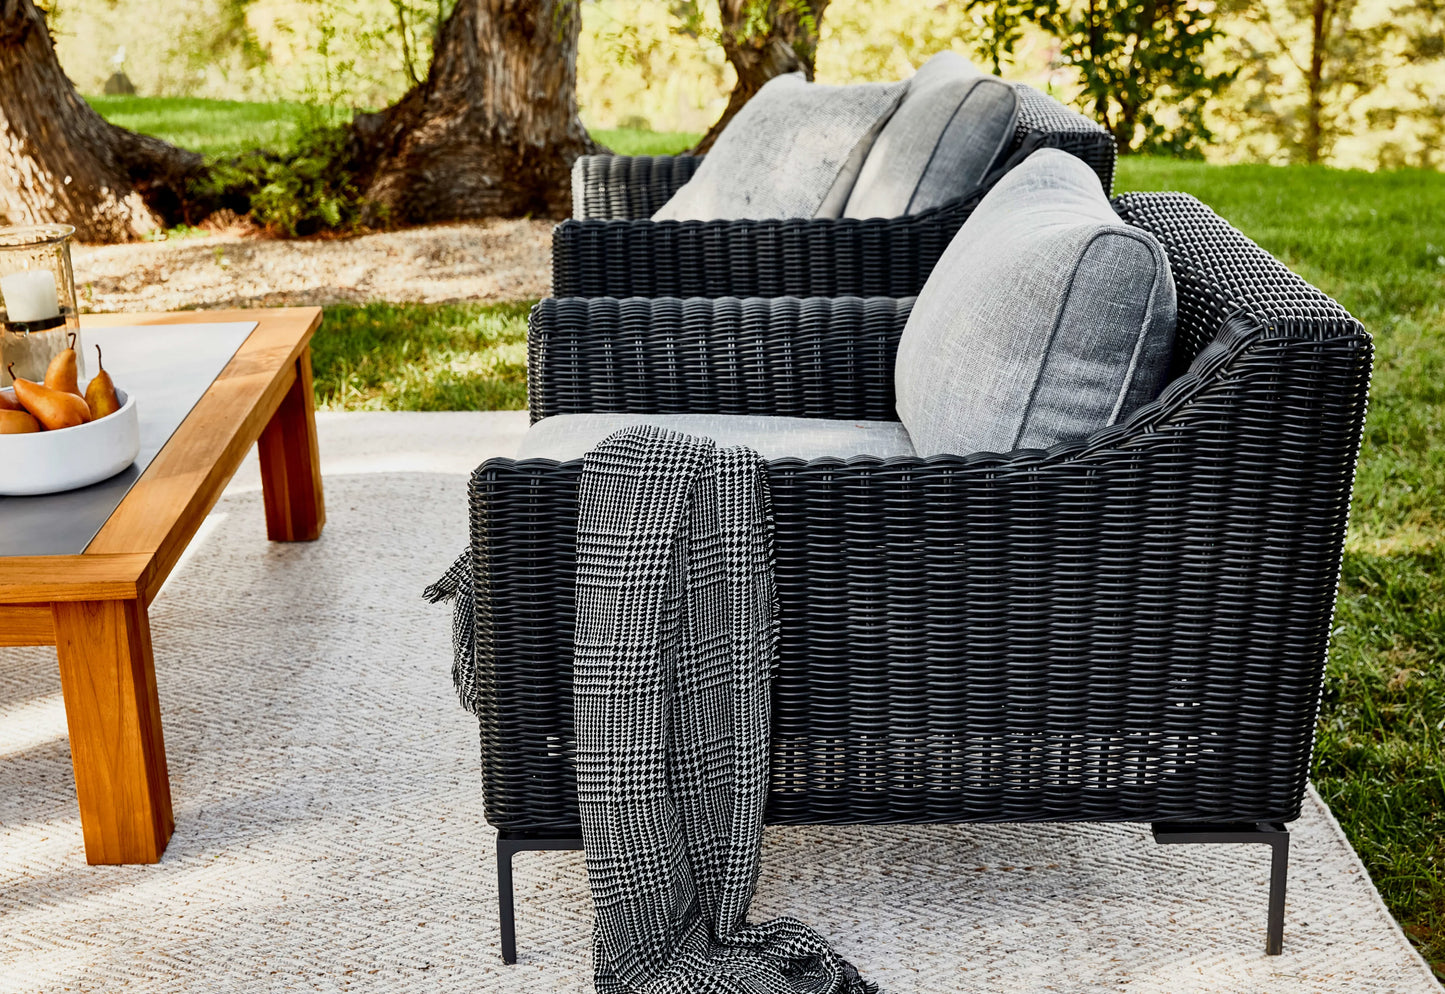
(819, 357)
(609, 187)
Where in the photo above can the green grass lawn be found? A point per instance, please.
(630, 141)
(229, 127)
(1375, 242)
(422, 357)
(212, 127)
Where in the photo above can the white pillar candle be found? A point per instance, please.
(30, 296)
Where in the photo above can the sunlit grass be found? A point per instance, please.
(631, 141)
(422, 357)
(229, 127)
(211, 127)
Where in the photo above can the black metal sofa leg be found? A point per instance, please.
(1272, 834)
(508, 845)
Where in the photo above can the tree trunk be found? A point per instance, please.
(1314, 81)
(492, 131)
(60, 161)
(787, 42)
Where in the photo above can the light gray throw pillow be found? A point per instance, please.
(784, 152)
(1046, 319)
(952, 125)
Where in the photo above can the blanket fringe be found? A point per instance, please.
(456, 585)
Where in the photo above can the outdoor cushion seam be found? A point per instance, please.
(1157, 253)
(1053, 333)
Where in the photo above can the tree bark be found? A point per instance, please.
(60, 161)
(1314, 80)
(493, 130)
(788, 42)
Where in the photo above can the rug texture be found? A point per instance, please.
(330, 833)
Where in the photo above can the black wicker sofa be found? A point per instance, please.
(612, 249)
(1129, 628)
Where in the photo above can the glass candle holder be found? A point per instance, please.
(37, 287)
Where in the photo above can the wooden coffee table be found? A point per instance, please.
(92, 606)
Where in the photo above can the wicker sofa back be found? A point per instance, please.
(1132, 627)
(612, 249)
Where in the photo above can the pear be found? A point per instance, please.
(17, 423)
(100, 395)
(62, 373)
(9, 403)
(52, 408)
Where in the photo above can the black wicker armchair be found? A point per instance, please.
(611, 249)
(1131, 628)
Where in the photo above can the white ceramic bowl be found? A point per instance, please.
(47, 462)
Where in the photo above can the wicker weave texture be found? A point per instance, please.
(820, 357)
(1133, 627)
(613, 250)
(622, 186)
(1059, 127)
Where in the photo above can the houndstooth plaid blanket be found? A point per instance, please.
(675, 642)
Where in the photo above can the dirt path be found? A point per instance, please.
(484, 260)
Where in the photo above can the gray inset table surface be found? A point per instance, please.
(166, 368)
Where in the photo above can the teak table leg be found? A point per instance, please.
(291, 464)
(108, 678)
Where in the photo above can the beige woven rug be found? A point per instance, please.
(329, 829)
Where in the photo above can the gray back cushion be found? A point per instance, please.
(784, 152)
(952, 125)
(1046, 319)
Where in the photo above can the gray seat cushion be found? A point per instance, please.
(571, 436)
(952, 125)
(1045, 319)
(783, 153)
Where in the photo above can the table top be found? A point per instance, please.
(166, 368)
(232, 372)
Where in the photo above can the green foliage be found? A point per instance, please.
(422, 357)
(1320, 49)
(1139, 63)
(870, 40)
(1321, 75)
(306, 189)
(226, 33)
(637, 68)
